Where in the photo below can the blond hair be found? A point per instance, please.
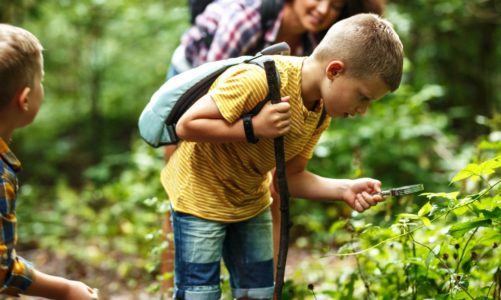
(20, 61)
(368, 45)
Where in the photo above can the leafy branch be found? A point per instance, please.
(484, 168)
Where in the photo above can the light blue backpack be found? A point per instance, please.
(157, 122)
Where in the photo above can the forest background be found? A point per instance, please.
(91, 206)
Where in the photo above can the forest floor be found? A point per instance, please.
(302, 266)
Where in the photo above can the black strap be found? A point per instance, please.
(249, 130)
(274, 96)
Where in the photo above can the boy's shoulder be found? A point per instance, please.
(7, 157)
(284, 64)
(291, 64)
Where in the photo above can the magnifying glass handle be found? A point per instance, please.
(383, 193)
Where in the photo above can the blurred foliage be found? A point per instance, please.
(91, 184)
(94, 51)
(114, 226)
(455, 44)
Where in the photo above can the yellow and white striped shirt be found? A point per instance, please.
(229, 182)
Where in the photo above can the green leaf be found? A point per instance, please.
(425, 209)
(491, 164)
(467, 172)
(485, 168)
(461, 210)
(426, 221)
(458, 230)
(450, 196)
(434, 253)
(494, 214)
(408, 216)
(337, 226)
(416, 261)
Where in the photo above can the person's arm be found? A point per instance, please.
(203, 122)
(356, 193)
(53, 287)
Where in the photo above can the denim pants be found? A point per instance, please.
(247, 250)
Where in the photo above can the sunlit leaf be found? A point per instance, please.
(408, 216)
(450, 196)
(467, 172)
(461, 210)
(491, 164)
(490, 237)
(425, 209)
(426, 221)
(485, 168)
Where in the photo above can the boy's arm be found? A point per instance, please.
(203, 122)
(53, 287)
(356, 193)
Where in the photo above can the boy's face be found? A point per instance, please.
(35, 98)
(37, 95)
(346, 96)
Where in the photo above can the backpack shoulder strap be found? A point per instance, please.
(158, 119)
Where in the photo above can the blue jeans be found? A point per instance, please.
(247, 250)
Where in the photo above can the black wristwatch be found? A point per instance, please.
(249, 130)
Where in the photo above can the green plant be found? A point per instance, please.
(111, 224)
(446, 249)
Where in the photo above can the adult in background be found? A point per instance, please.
(232, 28)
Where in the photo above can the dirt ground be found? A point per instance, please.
(302, 266)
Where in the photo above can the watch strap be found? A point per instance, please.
(249, 129)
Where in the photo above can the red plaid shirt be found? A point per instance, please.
(231, 28)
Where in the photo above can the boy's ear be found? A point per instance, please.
(22, 99)
(334, 68)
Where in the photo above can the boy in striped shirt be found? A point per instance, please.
(217, 179)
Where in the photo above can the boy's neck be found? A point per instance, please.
(6, 136)
(6, 129)
(310, 83)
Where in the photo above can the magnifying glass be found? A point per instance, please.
(400, 191)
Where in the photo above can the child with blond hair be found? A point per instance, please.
(21, 95)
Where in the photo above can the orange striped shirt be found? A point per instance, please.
(229, 182)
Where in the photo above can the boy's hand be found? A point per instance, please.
(80, 291)
(358, 194)
(273, 120)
